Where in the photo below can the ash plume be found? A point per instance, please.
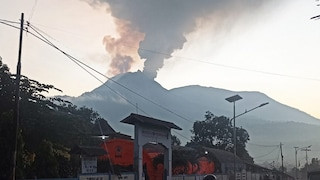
(123, 50)
(166, 22)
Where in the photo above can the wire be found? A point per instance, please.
(80, 62)
(45, 40)
(263, 145)
(8, 21)
(279, 153)
(186, 138)
(217, 64)
(42, 32)
(9, 25)
(223, 65)
(264, 155)
(75, 61)
(33, 10)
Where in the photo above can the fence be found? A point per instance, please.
(131, 176)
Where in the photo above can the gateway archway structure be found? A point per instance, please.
(151, 130)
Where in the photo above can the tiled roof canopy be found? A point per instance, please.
(136, 119)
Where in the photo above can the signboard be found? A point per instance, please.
(123, 177)
(93, 177)
(89, 165)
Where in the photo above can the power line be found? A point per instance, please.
(263, 145)
(83, 65)
(8, 21)
(76, 62)
(186, 138)
(214, 64)
(223, 65)
(80, 62)
(264, 155)
(33, 10)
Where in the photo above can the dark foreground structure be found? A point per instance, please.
(150, 156)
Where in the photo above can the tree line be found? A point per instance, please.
(49, 127)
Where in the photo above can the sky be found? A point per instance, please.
(271, 46)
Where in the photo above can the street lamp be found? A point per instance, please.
(233, 100)
(307, 148)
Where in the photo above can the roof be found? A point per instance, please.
(223, 156)
(138, 119)
(105, 127)
(119, 135)
(88, 150)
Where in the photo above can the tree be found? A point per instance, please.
(46, 163)
(217, 132)
(49, 127)
(175, 140)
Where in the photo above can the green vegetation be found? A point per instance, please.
(49, 127)
(217, 132)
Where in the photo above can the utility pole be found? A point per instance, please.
(234, 141)
(17, 100)
(296, 150)
(282, 168)
(306, 149)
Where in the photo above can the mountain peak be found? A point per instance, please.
(138, 75)
(135, 80)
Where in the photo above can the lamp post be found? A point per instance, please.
(296, 150)
(233, 100)
(307, 148)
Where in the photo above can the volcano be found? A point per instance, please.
(134, 92)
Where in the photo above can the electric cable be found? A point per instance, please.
(76, 62)
(9, 21)
(186, 138)
(5, 23)
(79, 64)
(264, 155)
(151, 101)
(221, 65)
(33, 10)
(262, 145)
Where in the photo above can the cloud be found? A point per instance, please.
(123, 50)
(164, 24)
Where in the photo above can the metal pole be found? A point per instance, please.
(306, 149)
(234, 140)
(307, 158)
(17, 100)
(296, 150)
(282, 167)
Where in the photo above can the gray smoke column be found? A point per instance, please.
(123, 50)
(166, 22)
